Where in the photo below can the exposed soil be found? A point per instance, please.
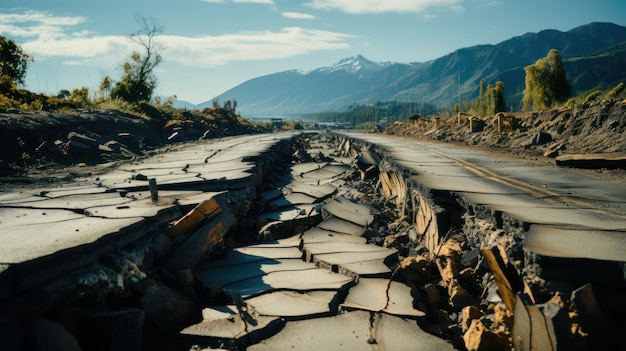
(51, 146)
(536, 137)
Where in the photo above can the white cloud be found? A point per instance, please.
(377, 6)
(297, 15)
(219, 50)
(36, 24)
(48, 37)
(263, 2)
(266, 2)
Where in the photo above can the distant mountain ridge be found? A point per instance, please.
(594, 56)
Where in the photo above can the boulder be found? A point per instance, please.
(479, 338)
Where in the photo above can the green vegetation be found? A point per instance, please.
(13, 64)
(139, 81)
(488, 102)
(546, 83)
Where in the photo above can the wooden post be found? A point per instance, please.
(154, 192)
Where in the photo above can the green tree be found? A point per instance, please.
(80, 97)
(139, 81)
(64, 94)
(546, 83)
(480, 105)
(13, 64)
(494, 97)
(105, 87)
(558, 78)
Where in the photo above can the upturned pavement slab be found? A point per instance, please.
(350, 211)
(338, 225)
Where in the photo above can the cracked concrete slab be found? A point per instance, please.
(382, 295)
(349, 211)
(210, 276)
(24, 242)
(295, 305)
(293, 199)
(317, 235)
(339, 225)
(357, 330)
(318, 191)
(314, 279)
(582, 243)
(356, 258)
(227, 328)
(291, 213)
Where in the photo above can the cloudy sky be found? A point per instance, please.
(211, 46)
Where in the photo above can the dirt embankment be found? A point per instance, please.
(47, 143)
(597, 128)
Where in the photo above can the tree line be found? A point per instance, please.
(363, 116)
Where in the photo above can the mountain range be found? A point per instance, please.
(594, 56)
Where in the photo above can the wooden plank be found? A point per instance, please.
(593, 161)
(206, 210)
(508, 281)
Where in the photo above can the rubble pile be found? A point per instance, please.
(563, 135)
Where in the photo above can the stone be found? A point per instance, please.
(558, 322)
(552, 153)
(416, 269)
(165, 308)
(468, 314)
(459, 297)
(541, 138)
(470, 258)
(479, 338)
(503, 316)
(432, 292)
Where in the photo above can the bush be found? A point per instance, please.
(615, 92)
(593, 96)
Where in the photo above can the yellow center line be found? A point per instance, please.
(533, 190)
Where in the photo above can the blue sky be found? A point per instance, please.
(214, 45)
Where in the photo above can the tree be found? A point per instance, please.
(558, 78)
(105, 86)
(480, 107)
(63, 94)
(139, 81)
(494, 97)
(546, 83)
(13, 63)
(80, 97)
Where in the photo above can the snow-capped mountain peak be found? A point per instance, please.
(355, 65)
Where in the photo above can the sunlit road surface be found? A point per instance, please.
(568, 214)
